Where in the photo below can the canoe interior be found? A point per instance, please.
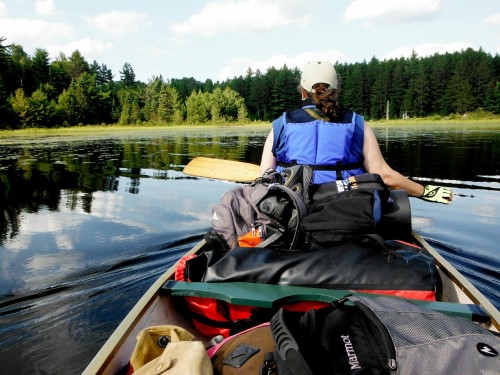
(156, 308)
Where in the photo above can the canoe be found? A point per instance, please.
(157, 306)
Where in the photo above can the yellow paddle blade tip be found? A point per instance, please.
(221, 169)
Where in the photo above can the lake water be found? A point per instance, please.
(87, 223)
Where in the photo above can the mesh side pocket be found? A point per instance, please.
(416, 328)
(429, 342)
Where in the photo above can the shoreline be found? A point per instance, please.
(261, 125)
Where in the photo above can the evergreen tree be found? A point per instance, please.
(21, 72)
(457, 82)
(352, 90)
(36, 111)
(493, 99)
(40, 67)
(409, 101)
(131, 106)
(83, 103)
(438, 77)
(77, 65)
(378, 97)
(6, 115)
(185, 87)
(152, 99)
(60, 77)
(459, 88)
(168, 105)
(127, 75)
(20, 106)
(398, 88)
(198, 107)
(422, 97)
(258, 100)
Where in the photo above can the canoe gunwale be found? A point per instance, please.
(131, 320)
(465, 285)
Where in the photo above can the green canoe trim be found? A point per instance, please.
(273, 296)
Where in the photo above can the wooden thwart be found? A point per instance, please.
(272, 296)
(220, 169)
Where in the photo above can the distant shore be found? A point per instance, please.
(258, 125)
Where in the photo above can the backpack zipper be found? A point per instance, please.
(384, 334)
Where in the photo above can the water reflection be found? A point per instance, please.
(67, 174)
(86, 224)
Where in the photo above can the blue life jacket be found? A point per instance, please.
(334, 150)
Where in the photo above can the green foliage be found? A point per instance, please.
(68, 91)
(219, 106)
(130, 101)
(416, 87)
(60, 73)
(169, 108)
(83, 102)
(198, 107)
(37, 111)
(20, 105)
(127, 75)
(493, 98)
(40, 67)
(77, 65)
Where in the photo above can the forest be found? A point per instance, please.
(67, 91)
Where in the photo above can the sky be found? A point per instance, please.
(221, 39)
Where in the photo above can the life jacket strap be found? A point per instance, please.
(317, 114)
(326, 167)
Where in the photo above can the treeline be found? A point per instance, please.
(451, 83)
(37, 92)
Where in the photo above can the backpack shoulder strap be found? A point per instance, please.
(299, 205)
(286, 347)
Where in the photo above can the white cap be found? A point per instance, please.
(318, 72)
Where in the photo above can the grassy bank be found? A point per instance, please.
(476, 117)
(111, 129)
(257, 125)
(464, 123)
(433, 121)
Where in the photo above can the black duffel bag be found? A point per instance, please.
(367, 263)
(336, 217)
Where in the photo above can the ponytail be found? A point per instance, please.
(325, 100)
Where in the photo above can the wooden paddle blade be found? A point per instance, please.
(220, 169)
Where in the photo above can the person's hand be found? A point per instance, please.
(437, 194)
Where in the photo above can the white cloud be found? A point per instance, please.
(45, 7)
(392, 10)
(3, 8)
(240, 67)
(118, 23)
(247, 15)
(41, 265)
(18, 243)
(25, 31)
(86, 46)
(427, 49)
(494, 19)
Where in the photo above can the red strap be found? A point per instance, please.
(181, 266)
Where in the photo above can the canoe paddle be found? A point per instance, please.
(221, 169)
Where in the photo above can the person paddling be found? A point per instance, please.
(335, 142)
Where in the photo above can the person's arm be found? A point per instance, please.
(375, 163)
(268, 161)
